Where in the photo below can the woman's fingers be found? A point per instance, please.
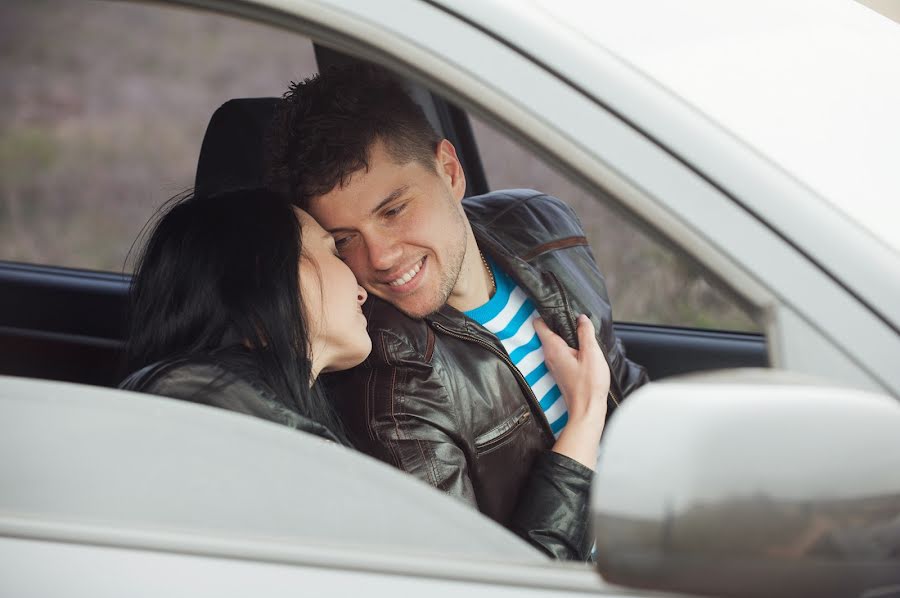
(590, 352)
(583, 379)
(587, 342)
(547, 336)
(554, 346)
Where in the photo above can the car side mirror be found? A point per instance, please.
(750, 485)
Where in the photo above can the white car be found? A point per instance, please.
(761, 139)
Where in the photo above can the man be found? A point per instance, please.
(456, 391)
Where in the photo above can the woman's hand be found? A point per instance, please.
(583, 378)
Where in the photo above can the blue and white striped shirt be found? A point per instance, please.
(510, 315)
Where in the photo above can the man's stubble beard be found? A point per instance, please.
(457, 257)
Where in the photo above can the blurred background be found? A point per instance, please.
(104, 105)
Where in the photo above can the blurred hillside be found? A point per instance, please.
(102, 111)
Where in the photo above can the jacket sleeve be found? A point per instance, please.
(420, 435)
(553, 513)
(629, 374)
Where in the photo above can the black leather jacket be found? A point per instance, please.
(440, 399)
(226, 379)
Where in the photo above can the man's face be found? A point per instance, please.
(401, 228)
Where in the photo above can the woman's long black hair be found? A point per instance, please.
(225, 270)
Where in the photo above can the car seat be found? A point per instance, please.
(233, 152)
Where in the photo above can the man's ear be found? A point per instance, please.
(450, 169)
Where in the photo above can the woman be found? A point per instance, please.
(229, 309)
(240, 301)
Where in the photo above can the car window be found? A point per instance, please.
(647, 281)
(103, 111)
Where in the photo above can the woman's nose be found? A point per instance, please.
(361, 295)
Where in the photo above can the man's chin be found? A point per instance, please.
(417, 312)
(415, 309)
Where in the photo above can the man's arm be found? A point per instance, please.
(554, 508)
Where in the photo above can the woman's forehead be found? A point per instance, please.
(312, 231)
(307, 222)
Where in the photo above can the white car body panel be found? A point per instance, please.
(175, 479)
(114, 487)
(812, 85)
(81, 571)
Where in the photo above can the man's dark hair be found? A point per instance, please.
(325, 127)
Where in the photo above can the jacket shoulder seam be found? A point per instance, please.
(516, 202)
(564, 243)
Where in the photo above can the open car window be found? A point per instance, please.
(95, 141)
(648, 282)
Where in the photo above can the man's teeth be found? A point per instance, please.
(406, 277)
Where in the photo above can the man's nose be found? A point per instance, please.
(384, 252)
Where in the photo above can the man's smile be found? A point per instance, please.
(403, 280)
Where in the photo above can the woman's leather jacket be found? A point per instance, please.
(223, 379)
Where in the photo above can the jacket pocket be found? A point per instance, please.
(502, 433)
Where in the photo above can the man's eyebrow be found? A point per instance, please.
(394, 195)
(398, 192)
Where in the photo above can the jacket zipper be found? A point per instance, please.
(497, 441)
(529, 394)
(614, 391)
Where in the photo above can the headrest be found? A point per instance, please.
(233, 151)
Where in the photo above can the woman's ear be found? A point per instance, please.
(450, 169)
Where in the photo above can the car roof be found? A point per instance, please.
(812, 85)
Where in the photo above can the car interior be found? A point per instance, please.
(70, 324)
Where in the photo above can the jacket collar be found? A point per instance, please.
(542, 287)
